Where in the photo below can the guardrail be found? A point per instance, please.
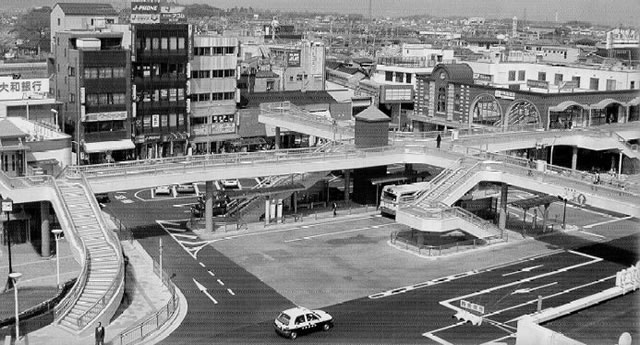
(156, 320)
(112, 240)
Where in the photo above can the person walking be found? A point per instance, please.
(99, 334)
(438, 140)
(334, 207)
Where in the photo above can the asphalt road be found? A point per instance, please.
(242, 300)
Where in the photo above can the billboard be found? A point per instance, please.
(293, 58)
(23, 88)
(145, 7)
(145, 18)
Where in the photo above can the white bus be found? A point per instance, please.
(403, 194)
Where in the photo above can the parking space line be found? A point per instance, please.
(201, 264)
(231, 292)
(220, 282)
(606, 222)
(211, 274)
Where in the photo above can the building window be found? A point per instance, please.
(456, 102)
(270, 85)
(594, 83)
(72, 71)
(632, 85)
(155, 43)
(299, 77)
(442, 100)
(408, 78)
(576, 80)
(399, 77)
(180, 42)
(557, 79)
(173, 43)
(105, 72)
(542, 76)
(611, 84)
(512, 75)
(521, 75)
(388, 76)
(72, 97)
(58, 21)
(164, 43)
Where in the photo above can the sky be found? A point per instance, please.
(611, 12)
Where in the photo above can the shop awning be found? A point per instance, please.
(114, 145)
(566, 104)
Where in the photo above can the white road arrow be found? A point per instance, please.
(526, 269)
(527, 290)
(204, 290)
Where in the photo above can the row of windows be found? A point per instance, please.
(512, 75)
(299, 77)
(170, 95)
(162, 120)
(160, 43)
(105, 98)
(216, 96)
(104, 73)
(216, 73)
(103, 126)
(208, 51)
(159, 70)
(400, 77)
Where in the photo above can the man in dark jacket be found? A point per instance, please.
(99, 334)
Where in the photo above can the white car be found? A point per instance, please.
(295, 321)
(230, 184)
(185, 188)
(166, 190)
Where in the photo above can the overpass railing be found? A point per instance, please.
(301, 116)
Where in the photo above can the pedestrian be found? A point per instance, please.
(531, 166)
(334, 207)
(438, 140)
(99, 334)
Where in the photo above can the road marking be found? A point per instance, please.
(527, 290)
(201, 264)
(191, 237)
(231, 292)
(185, 205)
(203, 289)
(211, 273)
(526, 269)
(220, 282)
(592, 234)
(606, 222)
(338, 232)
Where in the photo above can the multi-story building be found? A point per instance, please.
(161, 107)
(300, 66)
(80, 16)
(213, 91)
(92, 73)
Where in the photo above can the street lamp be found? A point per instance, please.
(14, 277)
(7, 207)
(55, 117)
(57, 233)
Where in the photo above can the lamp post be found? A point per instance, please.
(55, 117)
(7, 207)
(14, 277)
(57, 233)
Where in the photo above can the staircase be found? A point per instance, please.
(104, 280)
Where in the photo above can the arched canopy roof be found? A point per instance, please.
(567, 104)
(457, 72)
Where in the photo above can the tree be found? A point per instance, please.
(33, 26)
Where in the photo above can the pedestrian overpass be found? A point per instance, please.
(97, 292)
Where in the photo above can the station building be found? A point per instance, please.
(455, 96)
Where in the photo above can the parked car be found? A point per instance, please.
(296, 321)
(230, 184)
(185, 188)
(166, 190)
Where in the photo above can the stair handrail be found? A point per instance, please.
(475, 220)
(112, 240)
(65, 305)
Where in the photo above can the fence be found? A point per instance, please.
(155, 321)
(444, 249)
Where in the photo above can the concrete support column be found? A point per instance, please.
(347, 180)
(551, 155)
(574, 158)
(619, 164)
(589, 119)
(295, 202)
(504, 191)
(627, 111)
(208, 206)
(44, 229)
(278, 138)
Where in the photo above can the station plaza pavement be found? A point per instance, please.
(146, 293)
